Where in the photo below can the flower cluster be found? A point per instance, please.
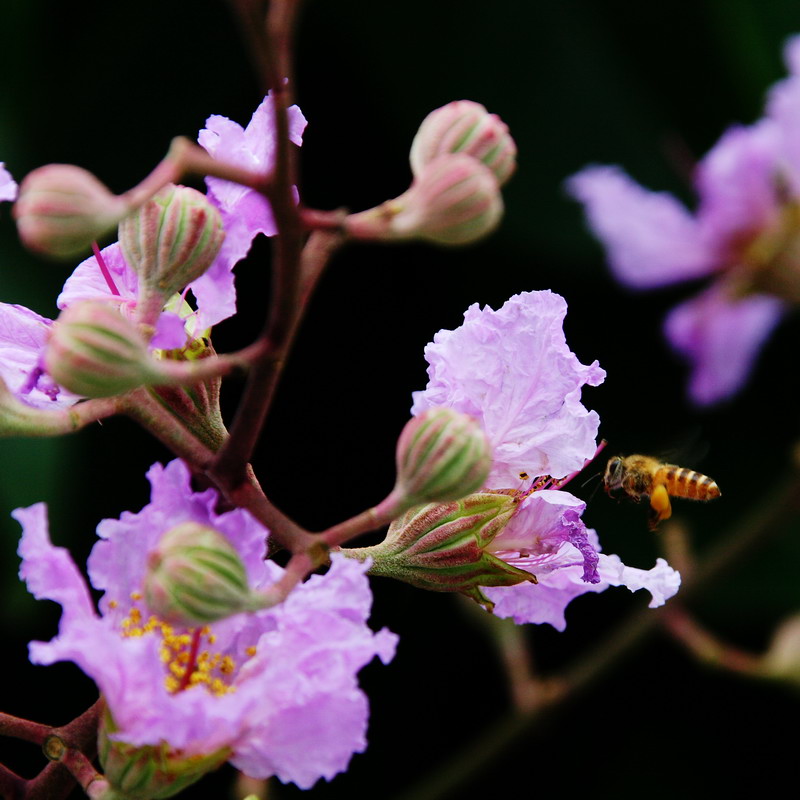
(264, 687)
(108, 276)
(513, 371)
(744, 233)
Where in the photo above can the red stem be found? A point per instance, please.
(23, 729)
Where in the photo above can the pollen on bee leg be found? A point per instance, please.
(660, 505)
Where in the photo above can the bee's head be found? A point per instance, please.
(615, 471)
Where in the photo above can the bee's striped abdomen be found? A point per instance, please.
(682, 482)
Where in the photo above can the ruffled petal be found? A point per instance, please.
(721, 337)
(245, 212)
(650, 238)
(335, 723)
(662, 581)
(543, 602)
(513, 371)
(738, 186)
(49, 572)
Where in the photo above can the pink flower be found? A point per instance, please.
(513, 371)
(744, 234)
(284, 697)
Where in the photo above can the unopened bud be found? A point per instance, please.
(95, 351)
(172, 239)
(150, 772)
(464, 126)
(442, 455)
(443, 547)
(195, 577)
(62, 209)
(454, 200)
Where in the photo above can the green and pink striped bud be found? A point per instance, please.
(454, 200)
(95, 351)
(170, 241)
(445, 547)
(62, 209)
(195, 577)
(149, 772)
(441, 455)
(464, 126)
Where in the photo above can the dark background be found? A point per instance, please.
(106, 86)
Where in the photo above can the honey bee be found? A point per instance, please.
(640, 476)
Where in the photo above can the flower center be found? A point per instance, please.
(188, 656)
(770, 261)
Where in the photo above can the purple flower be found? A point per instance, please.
(513, 371)
(744, 234)
(8, 187)
(245, 212)
(277, 687)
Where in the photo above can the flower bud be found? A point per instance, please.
(442, 455)
(454, 200)
(195, 577)
(96, 352)
(62, 209)
(465, 127)
(172, 239)
(150, 772)
(443, 547)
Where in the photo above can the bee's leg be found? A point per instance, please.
(660, 507)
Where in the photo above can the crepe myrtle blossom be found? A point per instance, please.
(513, 371)
(744, 234)
(276, 688)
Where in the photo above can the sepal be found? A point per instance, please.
(150, 772)
(443, 547)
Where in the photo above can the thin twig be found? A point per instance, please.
(12, 786)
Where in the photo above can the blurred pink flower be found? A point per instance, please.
(745, 233)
